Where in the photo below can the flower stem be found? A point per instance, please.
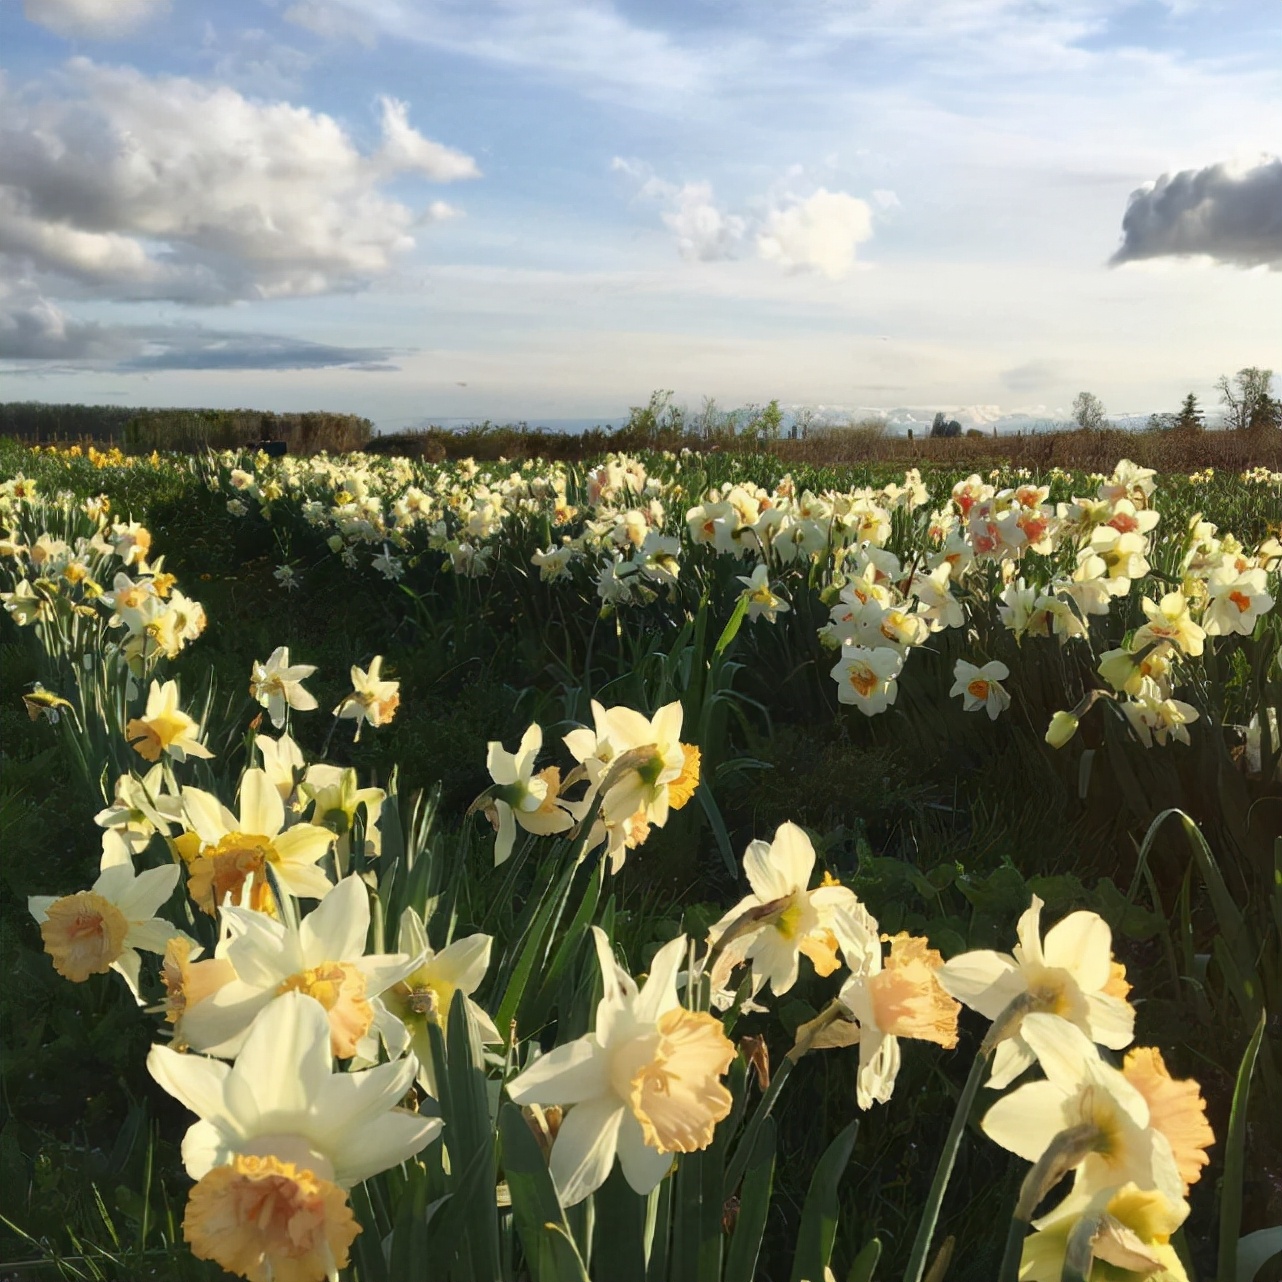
(1002, 1027)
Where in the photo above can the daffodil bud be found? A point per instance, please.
(1062, 728)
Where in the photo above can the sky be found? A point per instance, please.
(545, 210)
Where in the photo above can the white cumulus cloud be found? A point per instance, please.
(128, 186)
(98, 19)
(820, 233)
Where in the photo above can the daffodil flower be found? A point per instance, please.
(1071, 975)
(520, 796)
(867, 678)
(1085, 1095)
(782, 920)
(373, 700)
(981, 687)
(323, 957)
(664, 777)
(1235, 601)
(140, 808)
(283, 762)
(427, 993)
(164, 728)
(1169, 620)
(645, 1084)
(97, 930)
(277, 685)
(279, 1142)
(762, 601)
(224, 851)
(336, 798)
(1127, 1228)
(899, 996)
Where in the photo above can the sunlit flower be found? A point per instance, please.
(1154, 715)
(277, 686)
(762, 601)
(664, 777)
(645, 1084)
(1071, 975)
(1235, 602)
(279, 1141)
(1169, 620)
(283, 762)
(224, 852)
(40, 702)
(1129, 1232)
(324, 958)
(372, 700)
(426, 994)
(520, 796)
(783, 919)
(139, 809)
(165, 728)
(898, 997)
(982, 687)
(97, 930)
(1083, 1093)
(866, 677)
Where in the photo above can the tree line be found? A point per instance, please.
(1247, 398)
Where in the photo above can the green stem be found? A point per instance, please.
(1002, 1027)
(1014, 1249)
(944, 1170)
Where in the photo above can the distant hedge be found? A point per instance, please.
(141, 431)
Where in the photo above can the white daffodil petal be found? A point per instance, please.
(292, 1030)
(643, 1166)
(767, 879)
(659, 994)
(148, 891)
(383, 1141)
(584, 1149)
(152, 935)
(336, 928)
(204, 1147)
(465, 961)
(195, 1081)
(1112, 1020)
(984, 980)
(1081, 944)
(1065, 1053)
(1026, 1120)
(1010, 1059)
(566, 1075)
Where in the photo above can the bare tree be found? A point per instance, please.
(1247, 398)
(1088, 412)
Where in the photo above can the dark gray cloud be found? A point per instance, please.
(34, 329)
(195, 348)
(36, 335)
(1232, 216)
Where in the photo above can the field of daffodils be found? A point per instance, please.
(669, 868)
